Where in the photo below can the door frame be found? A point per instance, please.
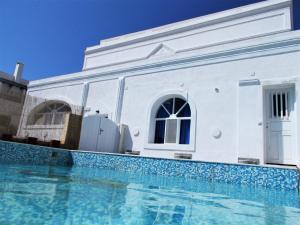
(266, 89)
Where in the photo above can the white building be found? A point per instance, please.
(234, 77)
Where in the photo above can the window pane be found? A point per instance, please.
(274, 106)
(45, 109)
(169, 105)
(279, 105)
(51, 106)
(37, 120)
(162, 113)
(185, 132)
(63, 108)
(171, 131)
(185, 112)
(48, 118)
(159, 132)
(178, 104)
(59, 118)
(283, 104)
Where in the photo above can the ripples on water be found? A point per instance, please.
(60, 195)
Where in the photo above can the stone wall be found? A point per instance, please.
(60, 132)
(11, 105)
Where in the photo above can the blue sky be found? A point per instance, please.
(50, 36)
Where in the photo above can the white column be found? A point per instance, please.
(250, 138)
(297, 106)
(85, 93)
(120, 94)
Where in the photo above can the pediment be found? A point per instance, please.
(161, 51)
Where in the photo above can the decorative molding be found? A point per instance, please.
(249, 82)
(141, 45)
(282, 46)
(160, 51)
(190, 24)
(121, 52)
(119, 102)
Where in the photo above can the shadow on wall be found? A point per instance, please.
(128, 143)
(99, 133)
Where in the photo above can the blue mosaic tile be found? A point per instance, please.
(34, 155)
(269, 177)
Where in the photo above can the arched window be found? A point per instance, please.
(50, 113)
(173, 122)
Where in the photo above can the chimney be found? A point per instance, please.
(18, 71)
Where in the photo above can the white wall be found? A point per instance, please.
(193, 57)
(250, 120)
(262, 19)
(102, 96)
(214, 110)
(68, 92)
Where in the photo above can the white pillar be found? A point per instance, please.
(120, 94)
(85, 93)
(250, 142)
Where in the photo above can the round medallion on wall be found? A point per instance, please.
(216, 133)
(136, 131)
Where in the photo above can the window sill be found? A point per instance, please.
(170, 147)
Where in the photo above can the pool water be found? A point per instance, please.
(39, 195)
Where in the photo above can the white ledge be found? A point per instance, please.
(190, 24)
(263, 44)
(170, 147)
(40, 127)
(249, 82)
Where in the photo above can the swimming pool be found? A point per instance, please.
(77, 195)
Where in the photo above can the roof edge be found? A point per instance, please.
(186, 25)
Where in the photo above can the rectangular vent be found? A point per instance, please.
(130, 152)
(183, 156)
(248, 161)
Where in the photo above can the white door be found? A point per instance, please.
(280, 126)
(107, 139)
(98, 133)
(90, 133)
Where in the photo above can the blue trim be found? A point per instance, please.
(160, 132)
(185, 112)
(162, 113)
(185, 126)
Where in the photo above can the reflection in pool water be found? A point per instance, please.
(62, 195)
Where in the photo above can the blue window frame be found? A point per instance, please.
(173, 122)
